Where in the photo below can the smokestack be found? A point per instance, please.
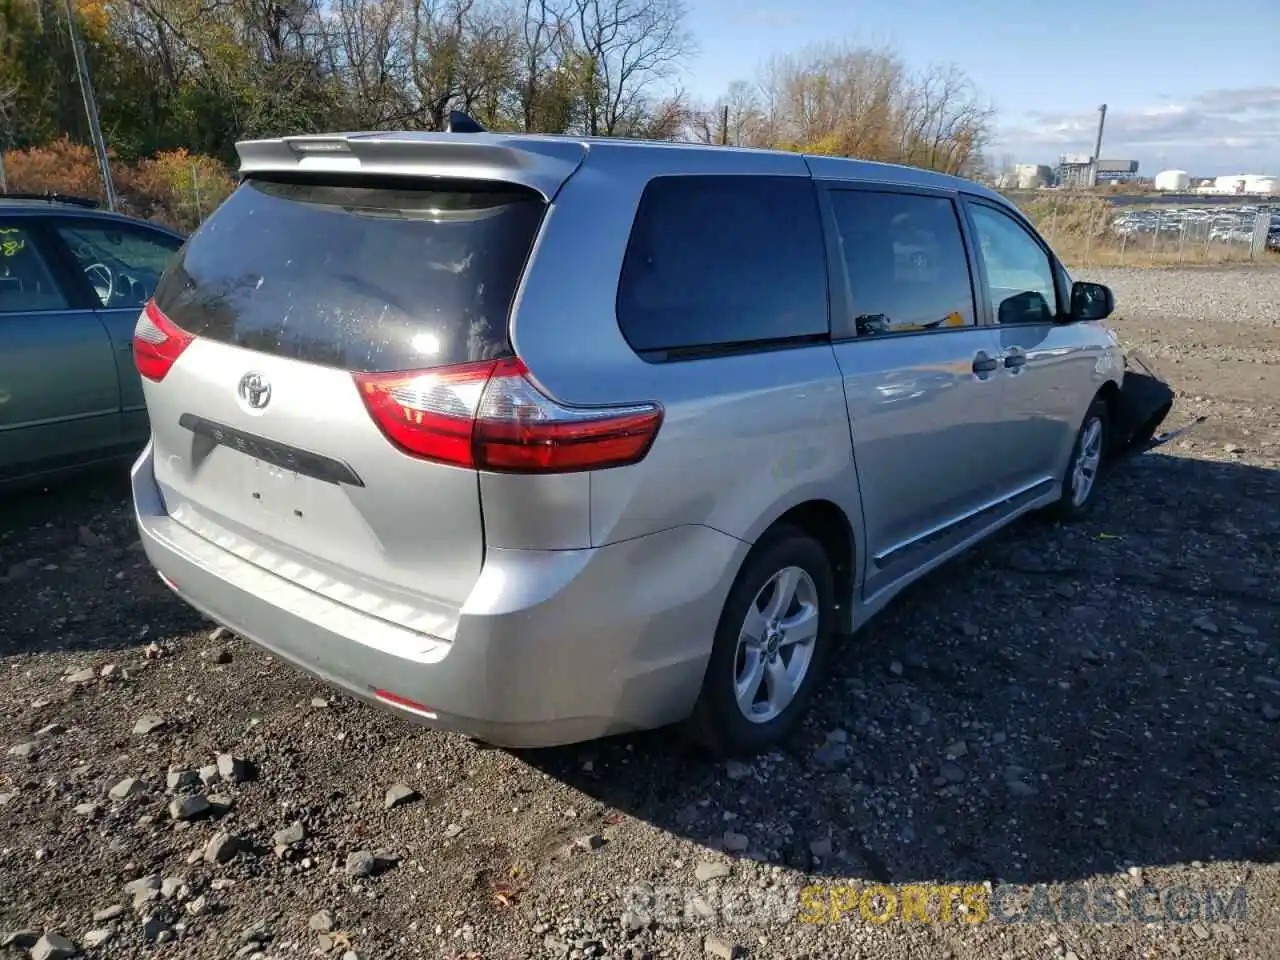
(1097, 147)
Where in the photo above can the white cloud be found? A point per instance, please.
(1216, 131)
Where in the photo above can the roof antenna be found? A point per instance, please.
(459, 122)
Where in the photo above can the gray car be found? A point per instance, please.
(72, 280)
(543, 439)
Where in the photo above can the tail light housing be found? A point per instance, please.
(490, 416)
(157, 343)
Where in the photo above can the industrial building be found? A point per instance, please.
(1246, 183)
(1173, 180)
(1079, 170)
(1032, 176)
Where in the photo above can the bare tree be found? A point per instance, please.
(627, 47)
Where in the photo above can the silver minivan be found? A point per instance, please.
(543, 438)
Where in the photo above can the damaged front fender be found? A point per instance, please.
(1145, 402)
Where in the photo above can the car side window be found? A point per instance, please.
(122, 263)
(716, 261)
(1019, 272)
(26, 282)
(905, 261)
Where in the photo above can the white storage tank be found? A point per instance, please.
(1173, 180)
(1269, 185)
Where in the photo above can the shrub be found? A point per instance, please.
(175, 188)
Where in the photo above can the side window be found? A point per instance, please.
(905, 260)
(123, 263)
(1019, 274)
(723, 260)
(26, 282)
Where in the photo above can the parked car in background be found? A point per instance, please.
(544, 439)
(72, 280)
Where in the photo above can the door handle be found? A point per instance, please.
(1015, 359)
(984, 363)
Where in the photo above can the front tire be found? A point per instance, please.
(1080, 485)
(771, 646)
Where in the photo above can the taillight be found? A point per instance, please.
(490, 416)
(157, 343)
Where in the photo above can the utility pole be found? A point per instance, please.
(1097, 147)
(724, 125)
(90, 106)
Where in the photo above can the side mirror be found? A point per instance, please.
(1091, 301)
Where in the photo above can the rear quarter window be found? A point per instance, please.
(368, 277)
(723, 261)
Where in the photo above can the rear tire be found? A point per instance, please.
(1080, 484)
(771, 646)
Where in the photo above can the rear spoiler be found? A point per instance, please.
(542, 164)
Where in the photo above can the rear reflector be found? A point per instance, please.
(490, 416)
(157, 343)
(401, 703)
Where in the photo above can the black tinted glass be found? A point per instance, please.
(366, 278)
(906, 261)
(723, 260)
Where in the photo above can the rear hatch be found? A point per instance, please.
(268, 360)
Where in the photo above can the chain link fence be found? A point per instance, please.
(1091, 231)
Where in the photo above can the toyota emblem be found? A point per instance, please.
(255, 390)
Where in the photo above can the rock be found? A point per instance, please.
(7, 798)
(107, 914)
(87, 675)
(838, 736)
(108, 671)
(20, 939)
(174, 888)
(219, 633)
(319, 702)
(723, 949)
(321, 921)
(50, 730)
(831, 756)
(96, 938)
(592, 841)
(361, 863)
(176, 780)
(711, 870)
(209, 775)
(1204, 625)
(220, 803)
(895, 667)
(951, 772)
(53, 946)
(154, 927)
(148, 723)
(86, 809)
(234, 769)
(1270, 713)
(87, 538)
(199, 906)
(294, 833)
(735, 842)
(257, 932)
(822, 847)
(126, 788)
(151, 881)
(452, 830)
(397, 795)
(25, 751)
(736, 770)
(222, 847)
(188, 807)
(956, 750)
(920, 715)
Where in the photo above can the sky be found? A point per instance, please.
(1189, 85)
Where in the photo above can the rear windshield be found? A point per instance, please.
(368, 278)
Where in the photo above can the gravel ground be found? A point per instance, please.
(1093, 708)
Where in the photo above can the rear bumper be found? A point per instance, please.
(552, 647)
